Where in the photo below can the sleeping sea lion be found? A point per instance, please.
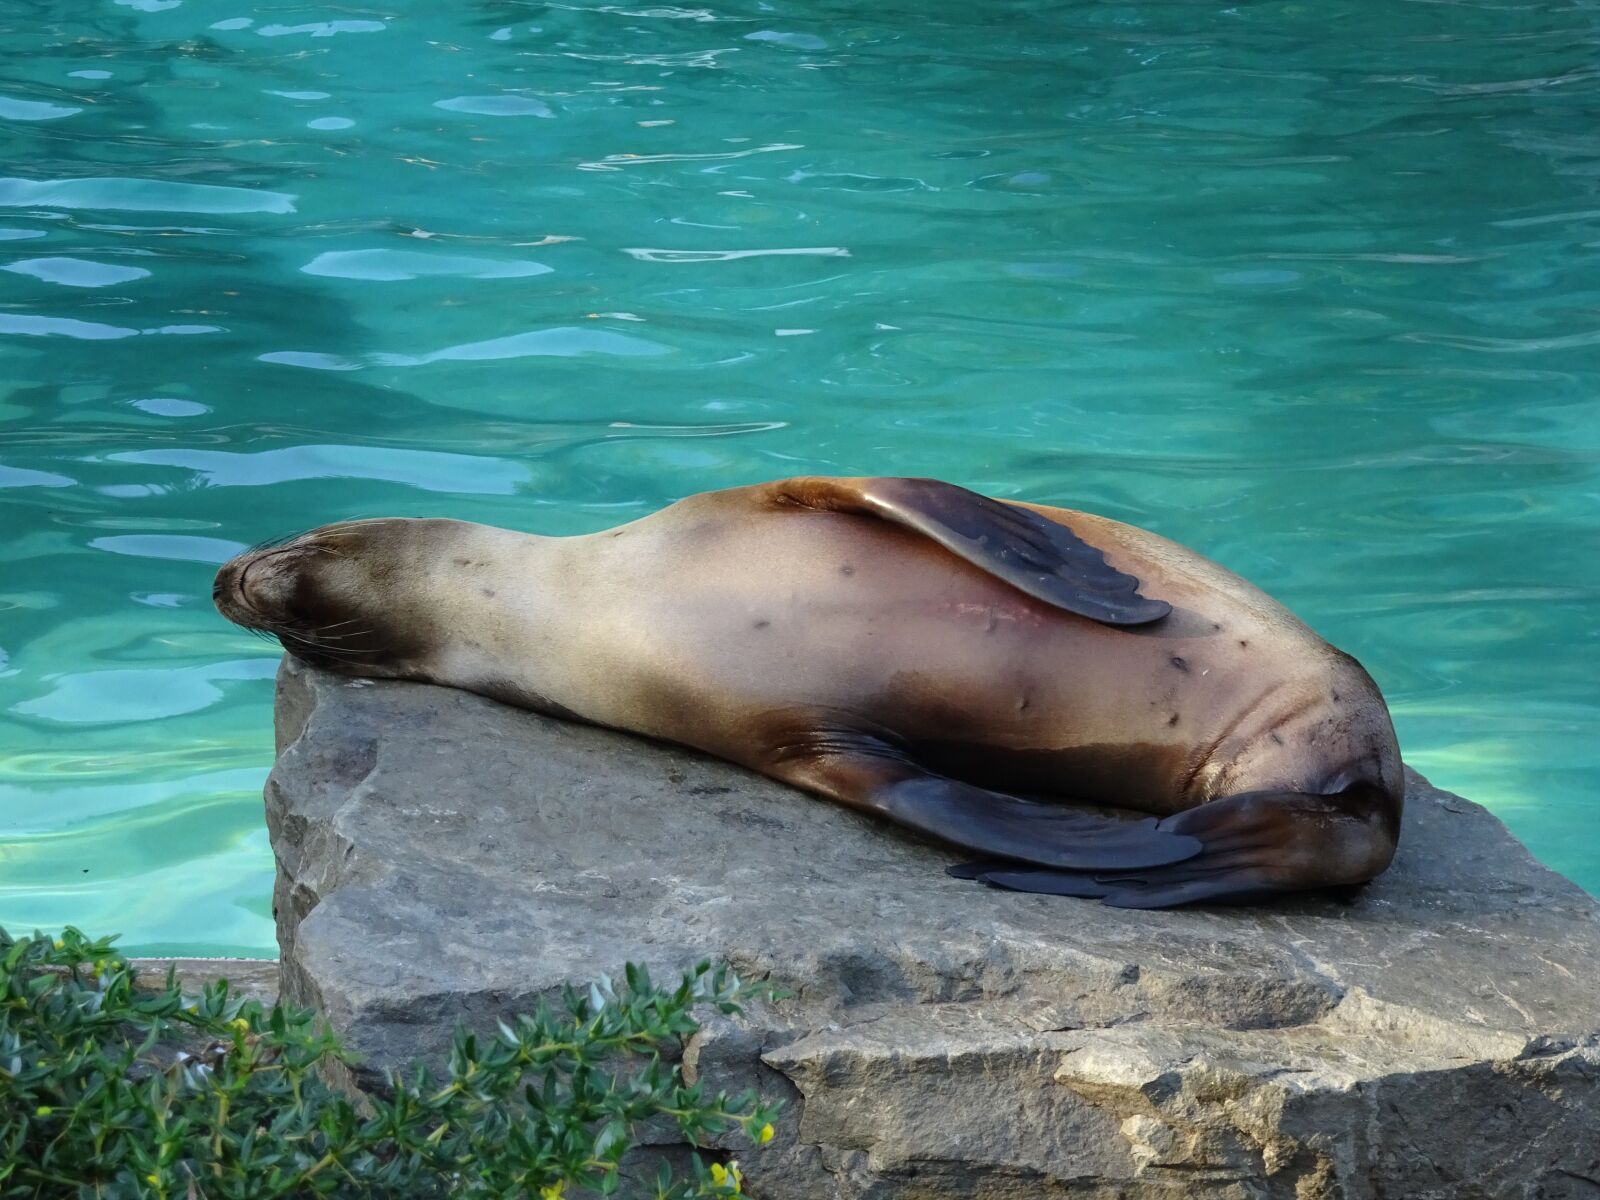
(952, 663)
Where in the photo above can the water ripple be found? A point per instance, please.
(425, 469)
(645, 254)
(183, 547)
(568, 341)
(322, 29)
(35, 325)
(506, 105)
(393, 265)
(141, 195)
(106, 697)
(20, 477)
(34, 110)
(75, 272)
(617, 162)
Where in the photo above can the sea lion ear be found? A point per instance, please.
(1030, 552)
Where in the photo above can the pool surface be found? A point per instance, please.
(1310, 287)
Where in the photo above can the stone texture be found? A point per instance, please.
(442, 857)
(256, 978)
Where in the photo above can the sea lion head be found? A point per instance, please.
(353, 597)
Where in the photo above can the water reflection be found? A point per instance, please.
(429, 470)
(141, 195)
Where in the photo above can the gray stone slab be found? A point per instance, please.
(443, 857)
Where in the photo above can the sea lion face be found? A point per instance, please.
(349, 597)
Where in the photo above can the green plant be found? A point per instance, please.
(100, 1098)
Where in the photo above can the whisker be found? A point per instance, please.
(336, 624)
(315, 648)
(272, 543)
(342, 637)
(330, 647)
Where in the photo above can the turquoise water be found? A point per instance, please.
(1312, 288)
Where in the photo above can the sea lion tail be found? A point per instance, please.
(1254, 845)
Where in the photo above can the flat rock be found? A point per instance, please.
(442, 858)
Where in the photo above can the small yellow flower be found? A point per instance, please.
(552, 1191)
(727, 1176)
(240, 1024)
(153, 1178)
(60, 945)
(44, 1110)
(765, 1133)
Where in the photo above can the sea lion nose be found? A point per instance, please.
(267, 580)
(225, 584)
(256, 584)
(249, 565)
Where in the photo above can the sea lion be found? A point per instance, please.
(910, 649)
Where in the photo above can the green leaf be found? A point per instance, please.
(549, 1095)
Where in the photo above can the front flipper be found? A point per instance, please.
(1030, 552)
(1254, 845)
(872, 777)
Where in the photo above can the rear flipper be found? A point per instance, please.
(1164, 887)
(872, 776)
(1255, 845)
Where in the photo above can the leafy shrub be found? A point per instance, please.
(100, 1098)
